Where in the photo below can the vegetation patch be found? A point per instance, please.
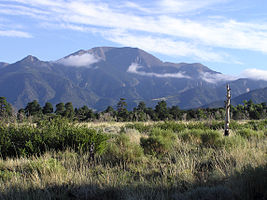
(164, 160)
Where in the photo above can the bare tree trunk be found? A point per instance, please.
(227, 113)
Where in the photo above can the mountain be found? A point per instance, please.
(2, 65)
(257, 96)
(100, 76)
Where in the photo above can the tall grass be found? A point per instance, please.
(188, 163)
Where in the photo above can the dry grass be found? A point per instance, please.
(187, 171)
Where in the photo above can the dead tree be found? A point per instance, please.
(227, 111)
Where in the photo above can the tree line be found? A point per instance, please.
(247, 110)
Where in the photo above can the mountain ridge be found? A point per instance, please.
(257, 96)
(100, 76)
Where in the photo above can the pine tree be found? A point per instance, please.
(5, 108)
(33, 108)
(48, 108)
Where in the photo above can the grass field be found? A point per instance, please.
(163, 160)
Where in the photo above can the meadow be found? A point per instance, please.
(139, 160)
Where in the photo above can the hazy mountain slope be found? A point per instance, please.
(2, 65)
(257, 96)
(100, 76)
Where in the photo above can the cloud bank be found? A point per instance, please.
(84, 60)
(134, 67)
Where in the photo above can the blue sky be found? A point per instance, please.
(229, 36)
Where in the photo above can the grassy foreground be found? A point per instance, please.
(164, 160)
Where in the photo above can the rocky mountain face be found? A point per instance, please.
(100, 76)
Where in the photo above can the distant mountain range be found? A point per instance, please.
(257, 96)
(99, 77)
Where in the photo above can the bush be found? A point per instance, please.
(248, 133)
(233, 141)
(26, 140)
(257, 125)
(234, 125)
(171, 125)
(208, 138)
(159, 141)
(215, 125)
(120, 149)
(141, 127)
(196, 125)
(211, 138)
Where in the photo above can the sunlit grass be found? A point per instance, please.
(197, 164)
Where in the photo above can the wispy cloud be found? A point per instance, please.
(183, 6)
(157, 27)
(15, 33)
(135, 69)
(255, 74)
(216, 78)
(162, 45)
(83, 60)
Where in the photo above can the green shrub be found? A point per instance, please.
(26, 140)
(120, 149)
(159, 141)
(215, 125)
(234, 125)
(141, 127)
(233, 141)
(171, 125)
(209, 138)
(196, 125)
(257, 125)
(191, 135)
(248, 133)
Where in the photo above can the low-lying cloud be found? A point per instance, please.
(84, 60)
(217, 78)
(134, 67)
(255, 74)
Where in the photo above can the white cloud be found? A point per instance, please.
(14, 33)
(163, 45)
(217, 78)
(255, 74)
(134, 68)
(162, 23)
(83, 60)
(183, 6)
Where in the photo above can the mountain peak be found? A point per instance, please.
(30, 58)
